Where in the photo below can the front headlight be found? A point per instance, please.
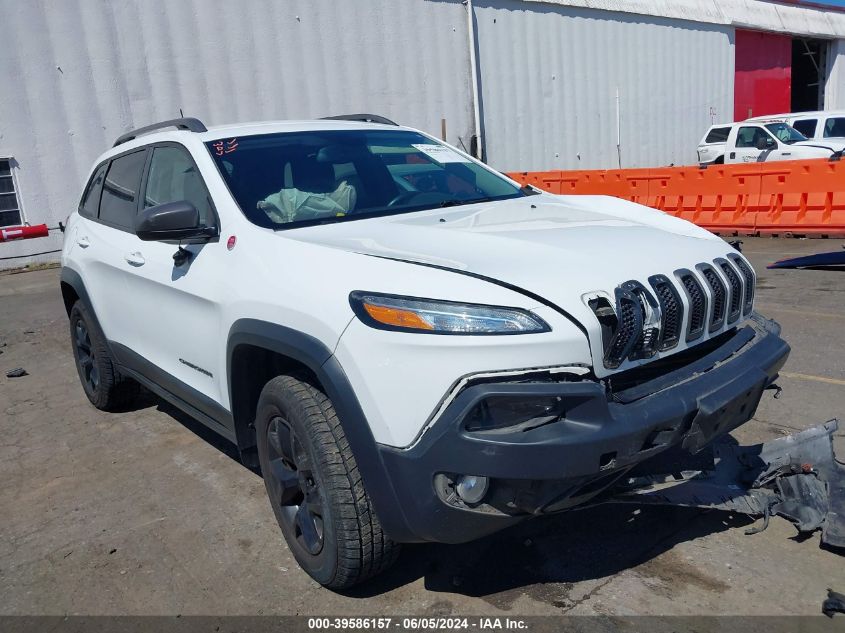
(431, 316)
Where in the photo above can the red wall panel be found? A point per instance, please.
(763, 80)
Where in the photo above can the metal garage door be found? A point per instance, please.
(762, 84)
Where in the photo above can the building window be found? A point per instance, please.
(10, 206)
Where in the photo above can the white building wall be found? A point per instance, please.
(76, 74)
(550, 74)
(834, 87)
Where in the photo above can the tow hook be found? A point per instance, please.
(776, 388)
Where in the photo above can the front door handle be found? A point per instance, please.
(83, 241)
(135, 259)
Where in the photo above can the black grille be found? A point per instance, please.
(717, 288)
(628, 331)
(736, 290)
(644, 322)
(748, 274)
(698, 305)
(671, 310)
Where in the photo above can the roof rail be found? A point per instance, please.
(363, 118)
(188, 123)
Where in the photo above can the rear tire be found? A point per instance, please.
(105, 386)
(314, 486)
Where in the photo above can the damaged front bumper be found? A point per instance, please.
(600, 435)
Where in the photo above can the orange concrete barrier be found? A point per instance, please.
(798, 198)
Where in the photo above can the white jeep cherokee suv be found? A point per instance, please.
(409, 345)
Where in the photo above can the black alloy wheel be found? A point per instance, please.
(292, 483)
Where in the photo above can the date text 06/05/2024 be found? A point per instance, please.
(416, 623)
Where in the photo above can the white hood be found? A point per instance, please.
(561, 248)
(832, 144)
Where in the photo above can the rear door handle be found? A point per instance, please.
(83, 241)
(135, 259)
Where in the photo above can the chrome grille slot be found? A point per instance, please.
(735, 287)
(628, 329)
(649, 336)
(719, 292)
(671, 309)
(748, 276)
(697, 304)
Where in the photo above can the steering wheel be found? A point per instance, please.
(403, 196)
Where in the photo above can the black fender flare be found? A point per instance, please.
(72, 278)
(320, 360)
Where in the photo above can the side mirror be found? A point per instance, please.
(171, 221)
(763, 143)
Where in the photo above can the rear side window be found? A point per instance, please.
(174, 178)
(834, 127)
(89, 206)
(807, 127)
(119, 201)
(718, 135)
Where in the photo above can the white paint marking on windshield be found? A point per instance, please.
(440, 153)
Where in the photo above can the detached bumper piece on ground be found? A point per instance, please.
(796, 477)
(820, 261)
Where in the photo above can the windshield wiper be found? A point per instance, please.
(528, 190)
(455, 203)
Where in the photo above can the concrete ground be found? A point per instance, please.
(145, 512)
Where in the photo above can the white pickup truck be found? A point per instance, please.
(821, 127)
(757, 142)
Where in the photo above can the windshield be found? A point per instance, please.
(785, 133)
(304, 178)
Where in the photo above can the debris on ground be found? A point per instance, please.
(835, 603)
(16, 373)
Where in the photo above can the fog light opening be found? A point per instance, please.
(472, 488)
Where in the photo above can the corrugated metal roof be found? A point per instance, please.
(750, 14)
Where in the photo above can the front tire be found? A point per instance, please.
(107, 389)
(314, 486)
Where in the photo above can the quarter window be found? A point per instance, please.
(834, 127)
(120, 190)
(90, 204)
(174, 178)
(10, 206)
(807, 127)
(718, 135)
